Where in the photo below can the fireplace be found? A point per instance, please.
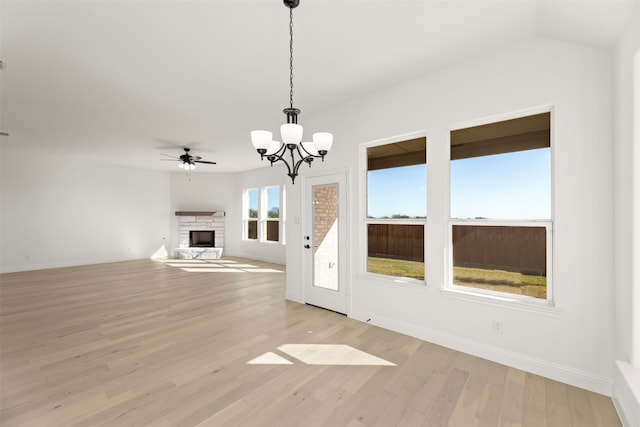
(202, 238)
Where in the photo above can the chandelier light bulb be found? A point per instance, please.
(323, 141)
(261, 139)
(273, 148)
(291, 133)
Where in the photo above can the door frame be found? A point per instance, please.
(344, 250)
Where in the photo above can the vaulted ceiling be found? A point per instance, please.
(125, 81)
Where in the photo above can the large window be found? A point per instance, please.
(396, 208)
(263, 214)
(500, 224)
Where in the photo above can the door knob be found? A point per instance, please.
(307, 247)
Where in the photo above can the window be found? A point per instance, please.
(250, 213)
(396, 208)
(500, 224)
(271, 218)
(263, 214)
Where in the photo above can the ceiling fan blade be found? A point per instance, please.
(169, 160)
(166, 155)
(205, 161)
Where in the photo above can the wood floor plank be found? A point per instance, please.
(535, 402)
(148, 343)
(557, 403)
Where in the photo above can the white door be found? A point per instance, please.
(325, 242)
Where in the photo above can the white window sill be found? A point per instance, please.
(504, 301)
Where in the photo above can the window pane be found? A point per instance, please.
(502, 186)
(252, 201)
(273, 232)
(252, 230)
(273, 202)
(397, 192)
(501, 258)
(396, 250)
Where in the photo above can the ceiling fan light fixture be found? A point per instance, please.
(291, 132)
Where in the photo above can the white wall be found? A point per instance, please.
(65, 211)
(223, 192)
(270, 252)
(626, 191)
(574, 343)
(204, 192)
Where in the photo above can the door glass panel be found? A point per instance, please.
(325, 236)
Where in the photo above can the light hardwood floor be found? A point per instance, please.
(148, 343)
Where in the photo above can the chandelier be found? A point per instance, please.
(291, 151)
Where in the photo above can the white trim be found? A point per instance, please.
(626, 393)
(503, 300)
(365, 220)
(345, 235)
(544, 108)
(448, 287)
(393, 139)
(563, 373)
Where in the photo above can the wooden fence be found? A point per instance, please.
(396, 241)
(520, 249)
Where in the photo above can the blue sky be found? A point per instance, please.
(273, 198)
(503, 186)
(398, 191)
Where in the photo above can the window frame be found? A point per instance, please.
(366, 221)
(262, 218)
(467, 292)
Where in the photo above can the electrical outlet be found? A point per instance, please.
(498, 327)
(27, 258)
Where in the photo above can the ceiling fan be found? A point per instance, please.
(187, 161)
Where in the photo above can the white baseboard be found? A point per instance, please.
(626, 393)
(544, 368)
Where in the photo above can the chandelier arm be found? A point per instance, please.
(279, 156)
(274, 157)
(307, 155)
(303, 159)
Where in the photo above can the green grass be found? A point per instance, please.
(494, 280)
(396, 267)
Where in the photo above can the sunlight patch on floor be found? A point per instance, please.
(216, 266)
(192, 264)
(212, 270)
(322, 354)
(269, 358)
